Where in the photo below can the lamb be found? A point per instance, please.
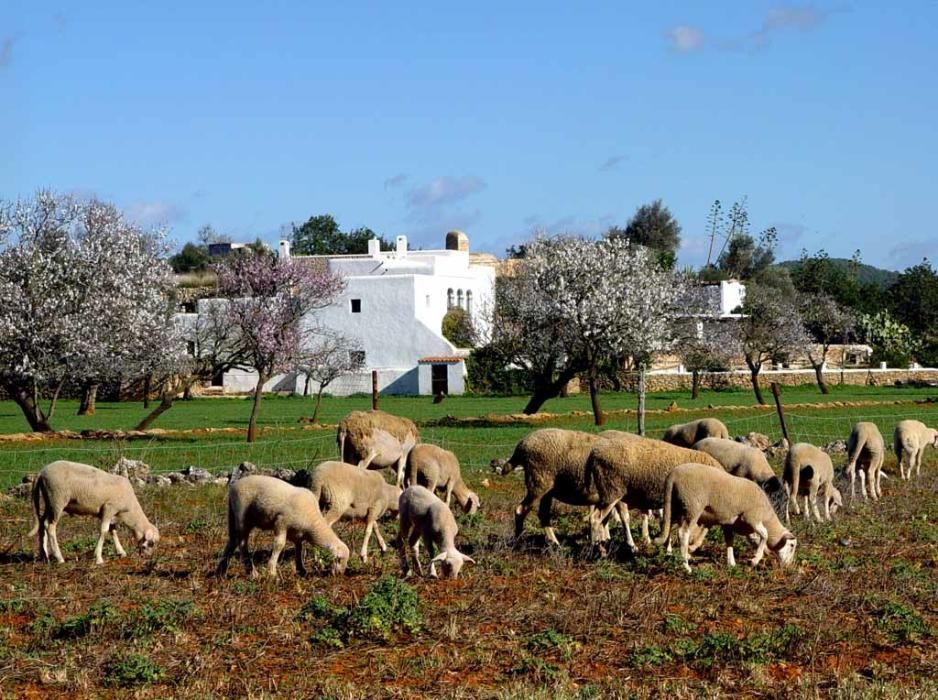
(375, 440)
(554, 462)
(436, 468)
(808, 470)
(686, 434)
(909, 442)
(292, 512)
(697, 495)
(80, 489)
(345, 491)
(866, 450)
(633, 473)
(424, 516)
(745, 462)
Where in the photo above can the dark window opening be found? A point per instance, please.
(356, 358)
(356, 306)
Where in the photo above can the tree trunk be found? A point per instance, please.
(54, 399)
(147, 388)
(695, 384)
(306, 386)
(165, 404)
(641, 399)
(819, 373)
(754, 376)
(598, 417)
(546, 388)
(89, 396)
(26, 400)
(256, 408)
(315, 418)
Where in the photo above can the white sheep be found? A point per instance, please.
(267, 503)
(436, 468)
(809, 471)
(686, 434)
(748, 463)
(554, 464)
(909, 442)
(866, 451)
(425, 517)
(80, 489)
(698, 496)
(375, 440)
(631, 473)
(346, 492)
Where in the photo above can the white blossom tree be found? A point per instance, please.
(828, 322)
(332, 356)
(576, 303)
(770, 329)
(84, 296)
(704, 344)
(268, 304)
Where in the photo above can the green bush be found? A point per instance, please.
(98, 615)
(129, 670)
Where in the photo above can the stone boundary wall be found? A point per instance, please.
(673, 381)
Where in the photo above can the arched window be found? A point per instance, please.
(468, 301)
(459, 299)
(449, 298)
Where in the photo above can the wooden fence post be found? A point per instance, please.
(374, 390)
(781, 412)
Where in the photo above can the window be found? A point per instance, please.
(190, 347)
(459, 299)
(356, 306)
(356, 358)
(468, 301)
(428, 301)
(449, 298)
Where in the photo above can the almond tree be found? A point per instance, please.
(83, 297)
(269, 302)
(828, 322)
(705, 343)
(332, 356)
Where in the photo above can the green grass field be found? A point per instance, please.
(855, 617)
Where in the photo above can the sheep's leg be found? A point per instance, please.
(683, 536)
(246, 559)
(105, 528)
(807, 508)
(401, 464)
(415, 551)
(369, 528)
(431, 552)
(828, 495)
(43, 535)
(402, 550)
(449, 493)
(522, 511)
(814, 505)
(700, 534)
(763, 533)
(918, 461)
(53, 534)
(646, 538)
(622, 514)
(280, 541)
(222, 567)
(117, 542)
(543, 514)
(904, 457)
(300, 559)
(728, 539)
(381, 543)
(852, 473)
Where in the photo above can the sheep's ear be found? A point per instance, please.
(466, 557)
(439, 557)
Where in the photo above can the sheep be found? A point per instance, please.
(866, 450)
(345, 491)
(686, 434)
(746, 462)
(632, 473)
(424, 516)
(80, 489)
(292, 512)
(909, 442)
(554, 462)
(375, 440)
(436, 468)
(697, 495)
(808, 470)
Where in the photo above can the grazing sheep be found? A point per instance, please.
(375, 440)
(633, 473)
(866, 451)
(424, 516)
(268, 503)
(554, 463)
(748, 463)
(909, 442)
(808, 471)
(80, 489)
(686, 434)
(697, 495)
(344, 491)
(436, 468)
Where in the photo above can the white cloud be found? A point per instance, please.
(155, 213)
(685, 39)
(444, 190)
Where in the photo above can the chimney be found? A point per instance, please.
(402, 246)
(374, 247)
(284, 252)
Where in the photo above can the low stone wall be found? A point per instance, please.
(793, 377)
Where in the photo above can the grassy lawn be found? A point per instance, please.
(856, 617)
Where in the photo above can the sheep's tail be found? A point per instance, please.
(666, 518)
(340, 442)
(36, 495)
(854, 454)
(411, 473)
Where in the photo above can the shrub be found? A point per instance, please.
(129, 670)
(99, 614)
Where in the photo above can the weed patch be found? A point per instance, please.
(901, 623)
(131, 670)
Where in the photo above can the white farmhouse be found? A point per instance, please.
(393, 306)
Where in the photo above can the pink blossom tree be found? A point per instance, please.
(270, 305)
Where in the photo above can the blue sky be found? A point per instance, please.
(496, 118)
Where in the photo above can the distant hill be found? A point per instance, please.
(867, 273)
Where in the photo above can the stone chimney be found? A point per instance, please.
(457, 240)
(374, 247)
(402, 246)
